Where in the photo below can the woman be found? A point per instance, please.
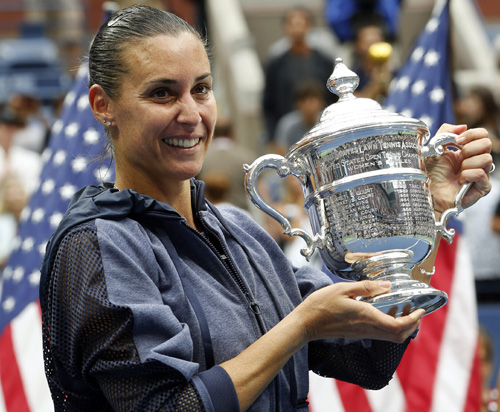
(152, 299)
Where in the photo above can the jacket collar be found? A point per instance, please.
(105, 202)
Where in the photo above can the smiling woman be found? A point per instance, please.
(161, 116)
(154, 299)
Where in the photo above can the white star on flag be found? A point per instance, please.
(70, 98)
(83, 102)
(55, 219)
(59, 158)
(426, 78)
(73, 143)
(18, 274)
(431, 58)
(418, 87)
(432, 25)
(72, 130)
(67, 191)
(437, 95)
(417, 54)
(8, 304)
(403, 83)
(42, 246)
(91, 136)
(79, 164)
(56, 128)
(427, 120)
(28, 244)
(37, 215)
(407, 112)
(48, 186)
(34, 278)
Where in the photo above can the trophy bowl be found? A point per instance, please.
(365, 187)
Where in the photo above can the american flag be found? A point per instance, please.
(440, 369)
(69, 162)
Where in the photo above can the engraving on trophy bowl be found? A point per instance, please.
(363, 178)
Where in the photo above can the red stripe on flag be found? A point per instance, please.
(417, 371)
(353, 397)
(10, 376)
(473, 401)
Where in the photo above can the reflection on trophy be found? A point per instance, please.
(363, 178)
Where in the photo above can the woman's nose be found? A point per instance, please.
(188, 111)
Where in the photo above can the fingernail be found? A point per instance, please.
(385, 284)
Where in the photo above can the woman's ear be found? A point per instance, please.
(100, 104)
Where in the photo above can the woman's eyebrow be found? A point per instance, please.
(173, 81)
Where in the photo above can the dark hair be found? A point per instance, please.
(309, 88)
(298, 9)
(487, 99)
(130, 25)
(10, 117)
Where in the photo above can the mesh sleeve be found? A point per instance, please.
(370, 368)
(91, 362)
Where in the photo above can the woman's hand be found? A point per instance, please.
(330, 312)
(450, 171)
(333, 312)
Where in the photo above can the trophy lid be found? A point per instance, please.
(349, 113)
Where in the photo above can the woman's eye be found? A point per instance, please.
(202, 89)
(161, 93)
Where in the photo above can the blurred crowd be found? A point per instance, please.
(24, 133)
(295, 68)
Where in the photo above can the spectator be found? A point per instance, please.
(372, 68)
(478, 108)
(226, 157)
(285, 71)
(484, 245)
(217, 187)
(495, 223)
(489, 396)
(33, 135)
(17, 161)
(12, 201)
(310, 101)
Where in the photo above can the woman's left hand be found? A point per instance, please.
(453, 169)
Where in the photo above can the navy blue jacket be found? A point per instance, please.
(139, 309)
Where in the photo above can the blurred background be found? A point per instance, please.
(44, 41)
(271, 60)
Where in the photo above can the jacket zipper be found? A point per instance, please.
(229, 265)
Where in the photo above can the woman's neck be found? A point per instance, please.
(177, 195)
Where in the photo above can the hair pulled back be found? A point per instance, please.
(128, 26)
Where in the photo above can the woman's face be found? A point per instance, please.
(164, 117)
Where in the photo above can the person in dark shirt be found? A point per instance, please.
(285, 71)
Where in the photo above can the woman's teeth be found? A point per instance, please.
(182, 142)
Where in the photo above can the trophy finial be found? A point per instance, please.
(343, 81)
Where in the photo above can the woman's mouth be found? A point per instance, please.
(186, 143)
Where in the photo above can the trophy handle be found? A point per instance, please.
(284, 168)
(436, 148)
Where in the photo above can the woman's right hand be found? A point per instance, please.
(333, 312)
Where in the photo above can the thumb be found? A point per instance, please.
(451, 128)
(372, 287)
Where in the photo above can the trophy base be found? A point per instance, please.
(406, 294)
(412, 293)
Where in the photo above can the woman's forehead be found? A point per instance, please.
(167, 53)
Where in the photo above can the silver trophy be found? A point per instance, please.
(365, 188)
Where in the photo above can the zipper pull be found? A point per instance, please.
(254, 306)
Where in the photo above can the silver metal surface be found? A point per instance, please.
(365, 190)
